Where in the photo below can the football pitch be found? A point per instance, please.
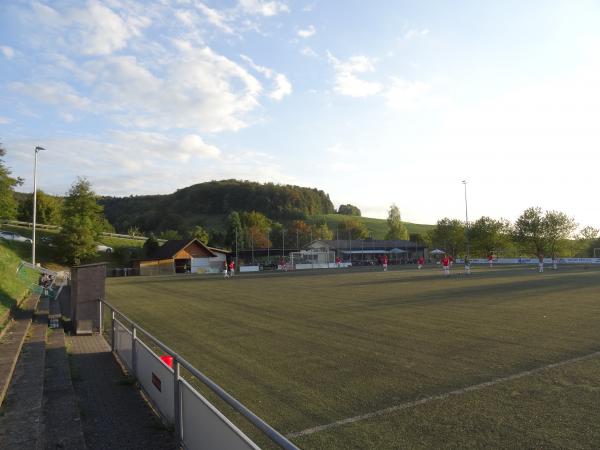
(503, 358)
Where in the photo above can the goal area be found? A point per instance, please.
(307, 259)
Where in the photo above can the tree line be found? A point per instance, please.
(187, 207)
(535, 233)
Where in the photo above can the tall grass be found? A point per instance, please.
(12, 287)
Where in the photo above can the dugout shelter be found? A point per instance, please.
(182, 256)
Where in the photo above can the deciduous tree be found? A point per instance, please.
(199, 233)
(488, 235)
(396, 229)
(82, 222)
(8, 204)
(449, 234)
(349, 210)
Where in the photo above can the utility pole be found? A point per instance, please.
(464, 182)
(37, 149)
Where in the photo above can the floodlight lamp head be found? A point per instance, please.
(37, 149)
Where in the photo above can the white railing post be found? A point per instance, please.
(112, 331)
(133, 358)
(101, 312)
(177, 401)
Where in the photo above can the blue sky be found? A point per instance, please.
(374, 102)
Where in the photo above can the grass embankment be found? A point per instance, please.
(12, 287)
(303, 350)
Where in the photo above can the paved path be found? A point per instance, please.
(113, 413)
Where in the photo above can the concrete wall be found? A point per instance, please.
(87, 286)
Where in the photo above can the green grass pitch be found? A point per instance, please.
(308, 349)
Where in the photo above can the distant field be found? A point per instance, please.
(378, 227)
(305, 350)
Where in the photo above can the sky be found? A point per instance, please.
(373, 102)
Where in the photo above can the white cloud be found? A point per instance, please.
(308, 32)
(194, 145)
(335, 149)
(405, 94)
(282, 85)
(415, 33)
(67, 117)
(5, 120)
(216, 18)
(7, 51)
(52, 92)
(307, 51)
(94, 29)
(185, 17)
(264, 8)
(347, 83)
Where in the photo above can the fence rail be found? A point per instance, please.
(172, 394)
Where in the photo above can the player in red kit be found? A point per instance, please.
(491, 260)
(385, 262)
(420, 262)
(446, 265)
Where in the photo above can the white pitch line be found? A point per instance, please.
(461, 391)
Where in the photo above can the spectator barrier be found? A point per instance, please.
(198, 424)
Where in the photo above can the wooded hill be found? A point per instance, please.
(207, 203)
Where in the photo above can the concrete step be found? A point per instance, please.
(61, 424)
(21, 411)
(12, 342)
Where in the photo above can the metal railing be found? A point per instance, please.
(178, 363)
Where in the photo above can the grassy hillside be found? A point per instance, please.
(376, 226)
(12, 288)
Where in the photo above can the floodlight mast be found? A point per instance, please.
(36, 151)
(464, 182)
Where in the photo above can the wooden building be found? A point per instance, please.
(182, 256)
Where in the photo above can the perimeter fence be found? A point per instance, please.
(197, 423)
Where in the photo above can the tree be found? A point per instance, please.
(199, 233)
(8, 204)
(49, 209)
(396, 229)
(234, 231)
(488, 235)
(541, 233)
(257, 227)
(134, 231)
(151, 245)
(449, 234)
(353, 229)
(299, 233)
(322, 231)
(169, 235)
(82, 222)
(558, 229)
(587, 240)
(349, 210)
(416, 237)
